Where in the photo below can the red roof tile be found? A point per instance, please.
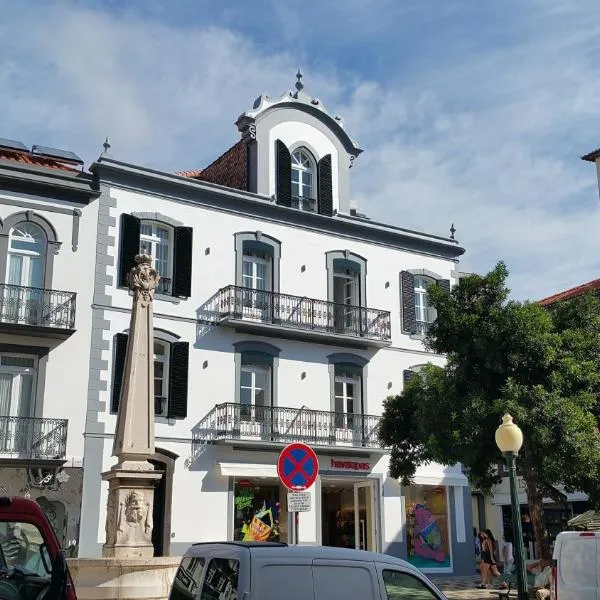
(33, 159)
(590, 286)
(230, 169)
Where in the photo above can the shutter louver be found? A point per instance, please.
(178, 380)
(120, 342)
(444, 284)
(325, 186)
(407, 291)
(182, 268)
(130, 246)
(408, 375)
(283, 167)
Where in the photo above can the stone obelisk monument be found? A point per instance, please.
(131, 481)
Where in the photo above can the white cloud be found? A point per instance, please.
(490, 141)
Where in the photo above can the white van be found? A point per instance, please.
(272, 571)
(576, 565)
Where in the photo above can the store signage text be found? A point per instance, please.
(350, 465)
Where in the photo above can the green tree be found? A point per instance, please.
(540, 365)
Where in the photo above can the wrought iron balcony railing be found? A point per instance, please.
(232, 421)
(32, 437)
(23, 305)
(297, 312)
(302, 203)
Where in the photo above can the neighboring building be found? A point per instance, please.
(494, 511)
(47, 245)
(282, 315)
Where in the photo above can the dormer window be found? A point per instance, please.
(303, 181)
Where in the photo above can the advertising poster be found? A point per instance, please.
(257, 512)
(427, 527)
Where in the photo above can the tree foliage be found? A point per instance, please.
(540, 365)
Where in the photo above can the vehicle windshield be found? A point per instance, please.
(22, 547)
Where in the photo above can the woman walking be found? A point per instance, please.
(488, 565)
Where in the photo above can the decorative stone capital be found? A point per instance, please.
(143, 278)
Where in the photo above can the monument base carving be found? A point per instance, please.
(129, 512)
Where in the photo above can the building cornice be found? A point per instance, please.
(217, 197)
(44, 181)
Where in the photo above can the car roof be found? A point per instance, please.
(9, 506)
(312, 552)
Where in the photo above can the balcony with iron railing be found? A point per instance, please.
(33, 438)
(276, 425)
(48, 312)
(269, 313)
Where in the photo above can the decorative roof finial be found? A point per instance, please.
(299, 84)
(106, 146)
(452, 231)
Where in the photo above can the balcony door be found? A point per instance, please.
(24, 295)
(347, 404)
(254, 393)
(257, 284)
(346, 294)
(365, 531)
(17, 392)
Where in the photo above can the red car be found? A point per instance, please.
(32, 563)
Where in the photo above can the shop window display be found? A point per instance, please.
(260, 512)
(427, 536)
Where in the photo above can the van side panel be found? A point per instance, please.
(577, 573)
(345, 580)
(276, 579)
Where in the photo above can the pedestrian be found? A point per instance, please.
(488, 565)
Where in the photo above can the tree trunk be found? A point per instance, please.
(536, 513)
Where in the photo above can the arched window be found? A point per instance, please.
(303, 181)
(26, 255)
(424, 313)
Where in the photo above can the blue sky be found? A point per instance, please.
(470, 112)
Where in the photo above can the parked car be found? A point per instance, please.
(32, 563)
(576, 565)
(272, 571)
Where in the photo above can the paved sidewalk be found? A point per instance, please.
(463, 588)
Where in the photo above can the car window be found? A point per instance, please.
(221, 580)
(187, 578)
(403, 586)
(22, 546)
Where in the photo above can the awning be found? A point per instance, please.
(439, 475)
(237, 469)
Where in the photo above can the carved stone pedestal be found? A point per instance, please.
(129, 512)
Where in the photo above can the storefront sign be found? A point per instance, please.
(350, 465)
(298, 501)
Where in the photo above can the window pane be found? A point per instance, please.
(246, 378)
(221, 580)
(146, 229)
(247, 268)
(187, 579)
(159, 349)
(295, 176)
(6, 382)
(350, 406)
(159, 369)
(339, 388)
(259, 397)
(158, 387)
(145, 247)
(245, 396)
(402, 586)
(260, 379)
(295, 189)
(350, 390)
(22, 544)
(17, 361)
(339, 405)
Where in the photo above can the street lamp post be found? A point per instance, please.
(509, 438)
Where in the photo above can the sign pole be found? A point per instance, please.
(298, 468)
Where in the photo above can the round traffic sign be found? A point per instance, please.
(297, 467)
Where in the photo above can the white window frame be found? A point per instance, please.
(17, 372)
(344, 419)
(27, 255)
(165, 360)
(424, 313)
(304, 164)
(153, 240)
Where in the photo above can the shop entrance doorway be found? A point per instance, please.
(348, 516)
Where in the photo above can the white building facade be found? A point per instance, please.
(48, 220)
(282, 316)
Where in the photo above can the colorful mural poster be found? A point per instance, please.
(257, 513)
(427, 527)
